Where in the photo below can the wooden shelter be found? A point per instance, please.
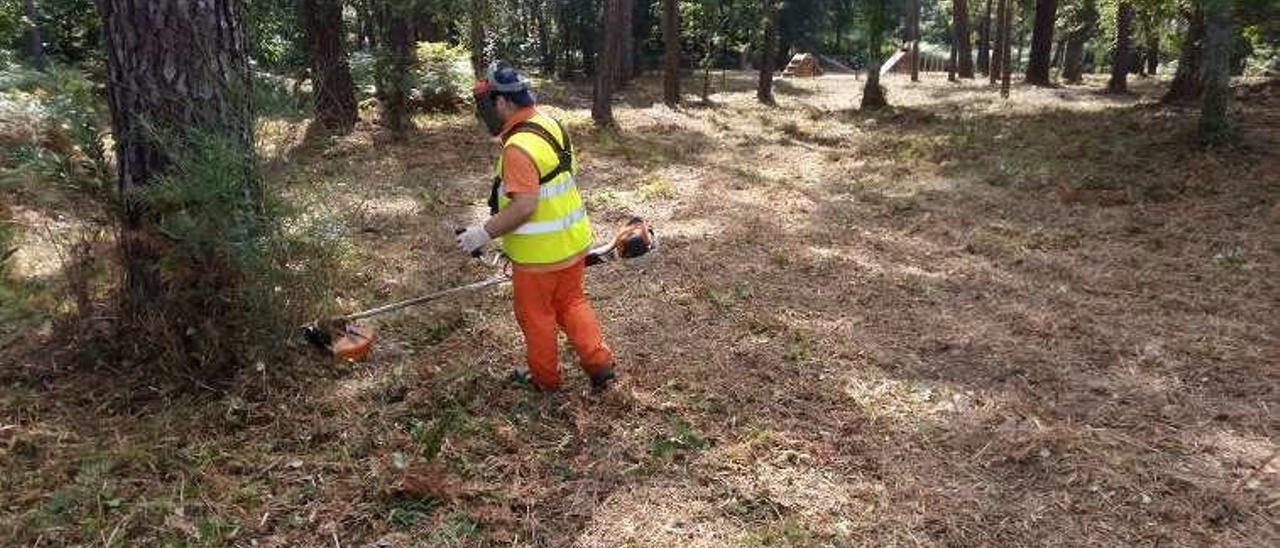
(804, 65)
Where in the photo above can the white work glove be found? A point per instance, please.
(472, 239)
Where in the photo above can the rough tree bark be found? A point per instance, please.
(984, 42)
(671, 55)
(764, 87)
(1042, 43)
(1123, 53)
(1216, 127)
(607, 64)
(395, 86)
(334, 92)
(38, 57)
(964, 50)
(1186, 85)
(173, 67)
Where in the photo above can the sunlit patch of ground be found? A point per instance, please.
(967, 321)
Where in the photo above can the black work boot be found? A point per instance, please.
(522, 377)
(600, 381)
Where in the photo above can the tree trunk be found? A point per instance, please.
(1119, 82)
(1073, 59)
(369, 30)
(1042, 43)
(607, 64)
(627, 53)
(872, 94)
(951, 60)
(1006, 64)
(997, 57)
(913, 35)
(334, 92)
(395, 99)
(545, 58)
(174, 69)
(38, 57)
(964, 51)
(671, 58)
(764, 88)
(1215, 117)
(984, 42)
(1022, 43)
(479, 9)
(1186, 85)
(1153, 50)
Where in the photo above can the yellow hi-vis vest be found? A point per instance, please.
(558, 228)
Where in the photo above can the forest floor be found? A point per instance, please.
(1046, 321)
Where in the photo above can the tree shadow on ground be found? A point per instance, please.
(1000, 348)
(999, 329)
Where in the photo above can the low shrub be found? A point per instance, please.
(442, 76)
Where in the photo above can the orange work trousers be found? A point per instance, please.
(546, 301)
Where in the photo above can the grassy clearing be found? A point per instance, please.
(963, 322)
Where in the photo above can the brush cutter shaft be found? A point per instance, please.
(487, 282)
(636, 239)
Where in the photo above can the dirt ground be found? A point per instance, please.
(1048, 321)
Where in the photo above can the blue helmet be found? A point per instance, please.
(504, 79)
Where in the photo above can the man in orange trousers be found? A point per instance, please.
(538, 213)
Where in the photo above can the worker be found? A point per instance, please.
(537, 211)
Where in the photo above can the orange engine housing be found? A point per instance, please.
(353, 342)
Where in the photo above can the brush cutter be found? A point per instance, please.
(346, 339)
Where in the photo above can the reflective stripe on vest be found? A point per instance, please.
(550, 190)
(559, 228)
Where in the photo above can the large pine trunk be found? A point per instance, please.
(1042, 43)
(1123, 53)
(671, 55)
(1186, 85)
(38, 57)
(764, 85)
(175, 69)
(395, 86)
(984, 42)
(1215, 117)
(964, 50)
(334, 92)
(607, 64)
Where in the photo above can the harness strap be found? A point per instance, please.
(564, 153)
(564, 156)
